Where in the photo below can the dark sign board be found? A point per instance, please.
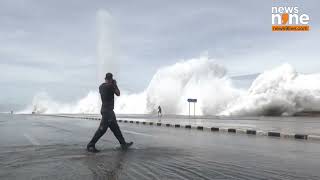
(192, 100)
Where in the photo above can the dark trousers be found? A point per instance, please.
(108, 120)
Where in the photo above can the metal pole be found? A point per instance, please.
(189, 109)
(194, 110)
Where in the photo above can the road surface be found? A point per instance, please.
(37, 147)
(309, 125)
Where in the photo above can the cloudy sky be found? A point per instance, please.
(51, 45)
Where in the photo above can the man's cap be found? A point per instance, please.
(109, 76)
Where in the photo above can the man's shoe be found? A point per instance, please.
(92, 149)
(125, 146)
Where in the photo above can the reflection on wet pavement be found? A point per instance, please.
(73, 162)
(54, 148)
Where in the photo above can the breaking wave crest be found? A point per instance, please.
(280, 91)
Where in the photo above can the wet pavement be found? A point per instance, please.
(296, 125)
(38, 147)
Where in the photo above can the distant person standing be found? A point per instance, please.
(159, 112)
(107, 91)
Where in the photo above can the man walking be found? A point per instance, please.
(159, 112)
(107, 91)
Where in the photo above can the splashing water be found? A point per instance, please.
(280, 91)
(201, 78)
(106, 57)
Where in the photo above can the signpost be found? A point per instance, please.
(194, 101)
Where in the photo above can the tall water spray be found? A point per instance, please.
(106, 59)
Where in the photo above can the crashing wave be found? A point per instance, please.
(43, 104)
(201, 79)
(280, 91)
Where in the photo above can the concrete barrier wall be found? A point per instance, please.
(251, 132)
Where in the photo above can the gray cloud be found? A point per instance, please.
(52, 45)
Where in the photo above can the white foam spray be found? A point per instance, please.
(199, 78)
(43, 104)
(106, 56)
(279, 91)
